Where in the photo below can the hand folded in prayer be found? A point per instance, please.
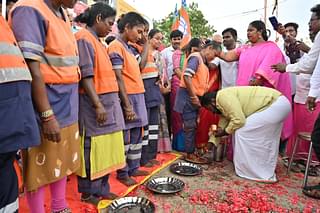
(279, 67)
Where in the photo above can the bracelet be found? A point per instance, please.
(46, 114)
(48, 118)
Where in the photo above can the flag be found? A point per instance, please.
(175, 23)
(182, 23)
(275, 6)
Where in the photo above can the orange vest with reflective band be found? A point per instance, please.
(130, 68)
(12, 64)
(200, 80)
(59, 63)
(151, 69)
(104, 77)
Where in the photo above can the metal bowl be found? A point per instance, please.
(165, 185)
(186, 169)
(131, 205)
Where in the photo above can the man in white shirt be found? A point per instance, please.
(175, 38)
(314, 92)
(229, 70)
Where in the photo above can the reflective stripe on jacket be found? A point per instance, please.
(12, 64)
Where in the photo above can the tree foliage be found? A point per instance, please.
(200, 27)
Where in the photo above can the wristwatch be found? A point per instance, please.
(46, 114)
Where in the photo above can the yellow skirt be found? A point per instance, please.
(107, 154)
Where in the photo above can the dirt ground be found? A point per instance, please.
(218, 189)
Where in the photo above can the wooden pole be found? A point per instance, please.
(265, 11)
(4, 8)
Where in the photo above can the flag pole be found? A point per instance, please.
(4, 8)
(265, 10)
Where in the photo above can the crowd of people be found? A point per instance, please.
(87, 102)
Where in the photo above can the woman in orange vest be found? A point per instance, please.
(131, 89)
(194, 83)
(100, 115)
(151, 75)
(19, 129)
(179, 61)
(51, 53)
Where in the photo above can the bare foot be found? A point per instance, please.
(148, 165)
(138, 173)
(128, 181)
(154, 162)
(110, 196)
(87, 198)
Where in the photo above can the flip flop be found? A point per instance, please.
(312, 191)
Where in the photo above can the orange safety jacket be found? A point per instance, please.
(12, 64)
(200, 80)
(59, 62)
(151, 69)
(130, 68)
(104, 79)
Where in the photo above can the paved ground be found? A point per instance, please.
(218, 189)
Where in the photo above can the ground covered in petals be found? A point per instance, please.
(218, 189)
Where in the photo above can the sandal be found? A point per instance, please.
(312, 191)
(313, 171)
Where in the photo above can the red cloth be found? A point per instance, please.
(73, 197)
(207, 118)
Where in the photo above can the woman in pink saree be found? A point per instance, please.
(254, 69)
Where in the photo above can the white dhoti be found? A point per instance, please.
(257, 142)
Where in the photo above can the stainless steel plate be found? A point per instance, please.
(131, 205)
(186, 169)
(165, 185)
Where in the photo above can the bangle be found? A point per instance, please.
(46, 114)
(48, 118)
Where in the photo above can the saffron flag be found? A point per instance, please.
(182, 23)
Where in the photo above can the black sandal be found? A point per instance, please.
(312, 191)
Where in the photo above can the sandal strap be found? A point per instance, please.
(66, 210)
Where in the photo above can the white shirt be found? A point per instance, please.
(167, 55)
(303, 88)
(307, 62)
(229, 72)
(315, 80)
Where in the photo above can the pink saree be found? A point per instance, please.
(256, 61)
(176, 119)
